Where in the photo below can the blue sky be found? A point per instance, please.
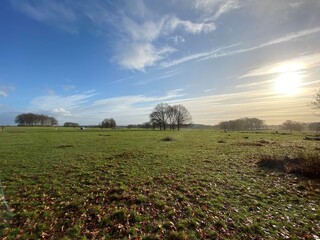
(83, 61)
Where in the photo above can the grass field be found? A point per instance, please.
(130, 184)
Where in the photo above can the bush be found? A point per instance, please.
(167, 139)
(306, 164)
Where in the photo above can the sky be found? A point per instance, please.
(84, 61)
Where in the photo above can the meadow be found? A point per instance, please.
(131, 184)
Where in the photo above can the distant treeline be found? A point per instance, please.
(242, 124)
(31, 119)
(71, 124)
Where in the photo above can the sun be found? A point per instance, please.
(289, 80)
(288, 83)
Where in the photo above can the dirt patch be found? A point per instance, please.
(65, 146)
(249, 144)
(312, 138)
(104, 135)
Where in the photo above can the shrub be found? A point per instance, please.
(167, 139)
(307, 164)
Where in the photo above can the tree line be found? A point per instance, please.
(173, 117)
(299, 126)
(243, 124)
(71, 124)
(32, 119)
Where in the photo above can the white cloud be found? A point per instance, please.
(216, 8)
(4, 90)
(55, 102)
(61, 111)
(141, 51)
(141, 32)
(190, 27)
(178, 40)
(138, 56)
(3, 93)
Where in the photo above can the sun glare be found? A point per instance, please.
(290, 78)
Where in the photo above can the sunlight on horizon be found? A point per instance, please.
(289, 82)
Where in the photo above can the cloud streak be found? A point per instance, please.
(221, 52)
(298, 64)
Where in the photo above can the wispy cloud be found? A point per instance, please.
(267, 105)
(143, 35)
(87, 110)
(197, 56)
(254, 84)
(68, 87)
(167, 74)
(215, 8)
(53, 102)
(223, 52)
(122, 79)
(141, 48)
(138, 56)
(51, 12)
(4, 90)
(297, 64)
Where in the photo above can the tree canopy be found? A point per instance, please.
(164, 115)
(292, 125)
(108, 123)
(32, 119)
(315, 126)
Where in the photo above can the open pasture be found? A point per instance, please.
(130, 184)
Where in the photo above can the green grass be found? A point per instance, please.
(121, 184)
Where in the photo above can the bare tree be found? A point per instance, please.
(292, 125)
(174, 116)
(315, 104)
(172, 113)
(181, 115)
(159, 115)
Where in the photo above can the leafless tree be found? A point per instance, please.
(159, 115)
(293, 125)
(181, 115)
(174, 116)
(315, 104)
